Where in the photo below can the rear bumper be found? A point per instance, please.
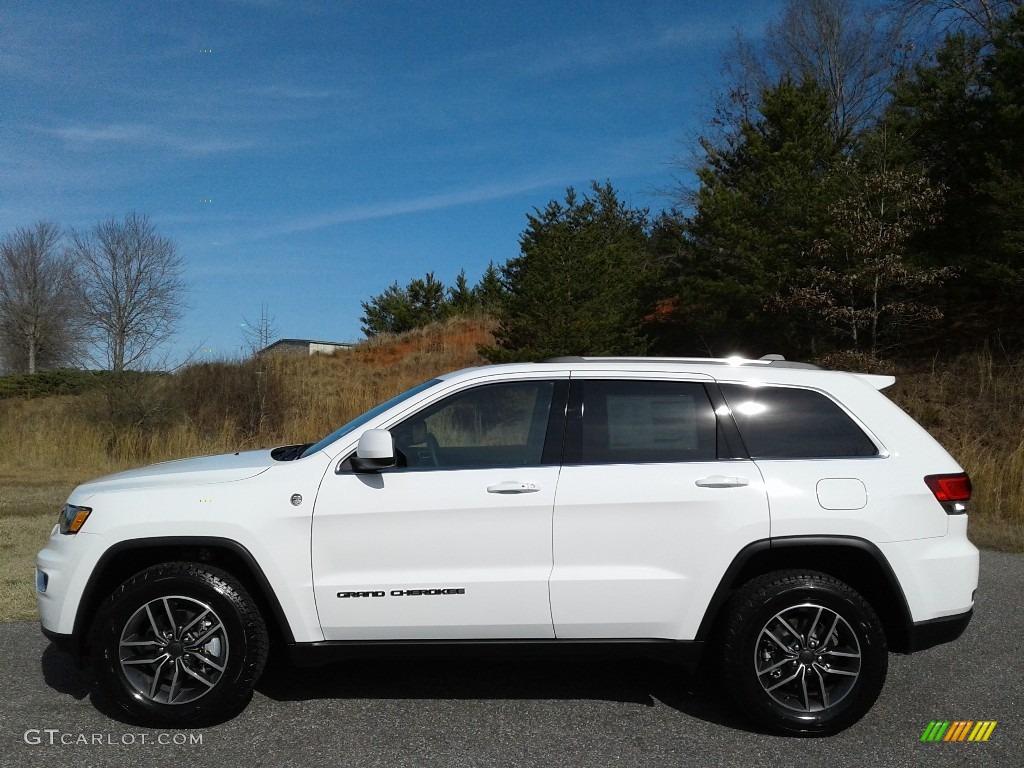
(938, 576)
(928, 634)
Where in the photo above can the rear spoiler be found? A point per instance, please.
(875, 380)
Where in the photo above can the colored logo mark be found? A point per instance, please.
(959, 730)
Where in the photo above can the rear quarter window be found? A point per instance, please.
(791, 423)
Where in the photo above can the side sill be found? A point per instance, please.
(686, 653)
(946, 629)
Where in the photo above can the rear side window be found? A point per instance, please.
(787, 423)
(634, 421)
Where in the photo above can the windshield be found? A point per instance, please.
(358, 421)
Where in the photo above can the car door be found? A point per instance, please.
(455, 543)
(651, 507)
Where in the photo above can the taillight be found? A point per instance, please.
(952, 491)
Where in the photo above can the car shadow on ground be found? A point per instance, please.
(628, 680)
(63, 675)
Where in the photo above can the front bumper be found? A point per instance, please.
(67, 562)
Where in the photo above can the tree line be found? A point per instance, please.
(859, 187)
(106, 297)
(427, 300)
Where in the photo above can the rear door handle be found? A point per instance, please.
(513, 486)
(721, 481)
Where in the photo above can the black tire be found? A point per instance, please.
(788, 628)
(204, 633)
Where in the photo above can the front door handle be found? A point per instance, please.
(721, 481)
(513, 486)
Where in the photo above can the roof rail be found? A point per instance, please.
(775, 361)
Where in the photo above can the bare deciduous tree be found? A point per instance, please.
(852, 50)
(133, 285)
(258, 336)
(39, 321)
(980, 17)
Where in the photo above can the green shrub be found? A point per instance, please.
(48, 383)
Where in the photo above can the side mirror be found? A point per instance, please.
(376, 450)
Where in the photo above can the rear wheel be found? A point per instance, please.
(180, 644)
(803, 653)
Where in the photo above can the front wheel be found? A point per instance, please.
(179, 644)
(803, 653)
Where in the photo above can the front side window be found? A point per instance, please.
(790, 423)
(488, 426)
(632, 421)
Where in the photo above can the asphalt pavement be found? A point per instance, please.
(527, 713)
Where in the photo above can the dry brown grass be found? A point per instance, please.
(975, 406)
(323, 392)
(20, 538)
(311, 396)
(29, 499)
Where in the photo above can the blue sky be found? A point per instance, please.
(342, 145)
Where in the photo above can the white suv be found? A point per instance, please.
(792, 522)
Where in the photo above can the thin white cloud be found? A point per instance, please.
(291, 92)
(601, 52)
(383, 210)
(619, 163)
(84, 137)
(131, 134)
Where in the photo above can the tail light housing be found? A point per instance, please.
(951, 491)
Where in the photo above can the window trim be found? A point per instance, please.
(728, 432)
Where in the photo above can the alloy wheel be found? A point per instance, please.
(807, 658)
(173, 650)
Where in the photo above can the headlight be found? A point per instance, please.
(72, 518)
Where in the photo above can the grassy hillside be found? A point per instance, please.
(974, 405)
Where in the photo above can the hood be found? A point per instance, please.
(203, 470)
